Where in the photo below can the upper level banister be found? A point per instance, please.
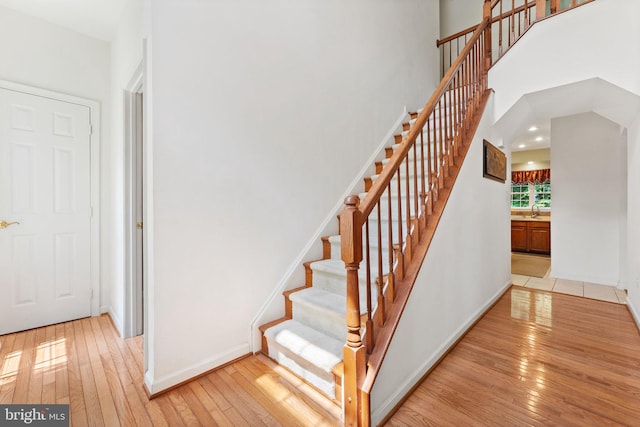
(452, 37)
(379, 186)
(534, 10)
(495, 19)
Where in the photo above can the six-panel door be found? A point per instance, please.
(45, 186)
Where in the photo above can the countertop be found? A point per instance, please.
(539, 218)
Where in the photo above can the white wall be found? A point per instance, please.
(589, 199)
(263, 112)
(457, 15)
(37, 53)
(126, 56)
(548, 55)
(633, 225)
(541, 160)
(466, 269)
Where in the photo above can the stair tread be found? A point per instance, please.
(327, 301)
(317, 348)
(333, 266)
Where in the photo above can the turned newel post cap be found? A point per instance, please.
(352, 201)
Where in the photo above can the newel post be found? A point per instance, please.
(486, 13)
(355, 354)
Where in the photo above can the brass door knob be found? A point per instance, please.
(4, 224)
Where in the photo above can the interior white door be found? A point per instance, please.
(45, 188)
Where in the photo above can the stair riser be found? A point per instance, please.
(415, 168)
(418, 155)
(390, 151)
(320, 380)
(373, 259)
(373, 254)
(333, 283)
(403, 189)
(417, 161)
(329, 323)
(384, 200)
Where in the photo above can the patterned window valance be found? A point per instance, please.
(536, 176)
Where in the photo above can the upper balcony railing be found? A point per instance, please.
(510, 19)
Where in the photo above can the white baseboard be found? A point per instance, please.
(634, 312)
(388, 405)
(117, 321)
(157, 385)
(284, 283)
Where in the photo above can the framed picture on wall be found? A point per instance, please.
(494, 162)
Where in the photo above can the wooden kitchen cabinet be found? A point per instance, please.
(540, 237)
(519, 237)
(531, 236)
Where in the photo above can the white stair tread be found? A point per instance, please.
(333, 304)
(329, 302)
(332, 266)
(309, 344)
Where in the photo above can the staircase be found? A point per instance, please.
(409, 190)
(309, 339)
(338, 326)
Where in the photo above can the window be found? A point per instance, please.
(543, 195)
(519, 195)
(525, 195)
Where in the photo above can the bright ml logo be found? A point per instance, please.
(34, 415)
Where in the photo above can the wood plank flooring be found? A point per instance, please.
(536, 359)
(85, 364)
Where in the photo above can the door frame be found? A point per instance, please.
(134, 149)
(94, 149)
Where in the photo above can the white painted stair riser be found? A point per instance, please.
(416, 155)
(326, 278)
(324, 311)
(373, 250)
(321, 310)
(395, 210)
(307, 352)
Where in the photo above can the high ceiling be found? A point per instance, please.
(95, 18)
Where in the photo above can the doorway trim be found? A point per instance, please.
(94, 150)
(133, 170)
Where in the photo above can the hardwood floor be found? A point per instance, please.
(85, 363)
(539, 359)
(536, 358)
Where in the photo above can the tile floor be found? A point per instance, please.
(581, 289)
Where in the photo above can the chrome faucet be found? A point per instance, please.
(535, 210)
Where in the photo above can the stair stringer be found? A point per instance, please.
(273, 307)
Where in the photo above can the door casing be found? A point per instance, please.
(134, 205)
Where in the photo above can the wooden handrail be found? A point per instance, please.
(470, 30)
(380, 185)
(457, 35)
